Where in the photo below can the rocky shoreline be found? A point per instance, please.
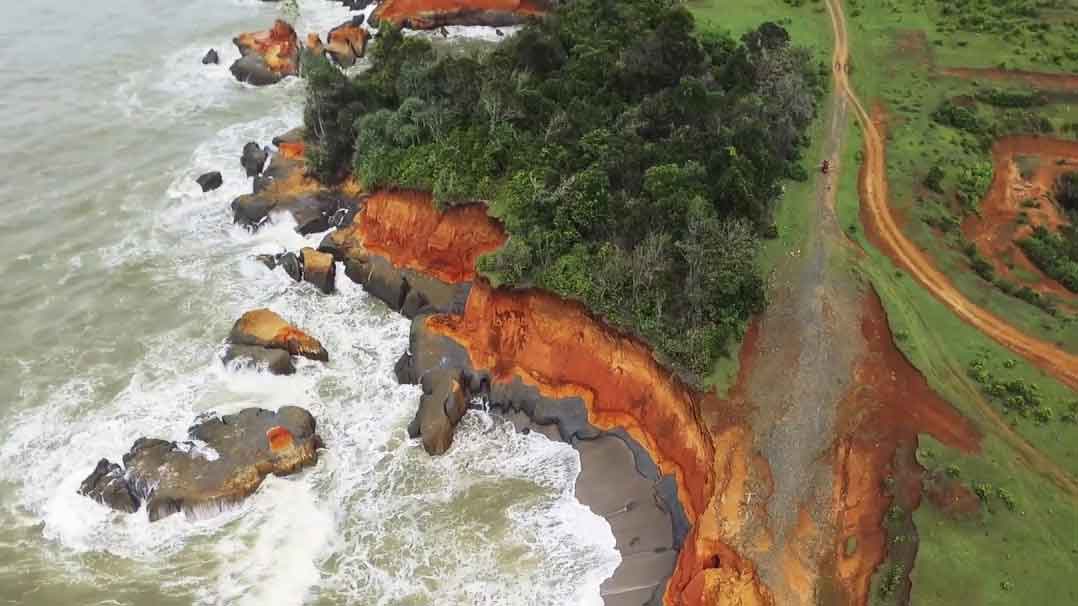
(646, 457)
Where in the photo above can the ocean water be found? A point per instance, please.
(120, 279)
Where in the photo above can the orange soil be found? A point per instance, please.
(879, 220)
(404, 227)
(293, 150)
(1041, 80)
(278, 46)
(996, 230)
(564, 351)
(279, 438)
(423, 13)
(889, 406)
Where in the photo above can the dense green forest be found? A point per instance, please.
(633, 159)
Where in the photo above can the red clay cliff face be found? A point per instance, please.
(881, 417)
(430, 14)
(560, 348)
(405, 228)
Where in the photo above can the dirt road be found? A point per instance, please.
(1053, 360)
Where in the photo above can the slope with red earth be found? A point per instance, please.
(996, 230)
(431, 14)
(880, 419)
(404, 227)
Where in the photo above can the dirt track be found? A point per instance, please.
(1053, 360)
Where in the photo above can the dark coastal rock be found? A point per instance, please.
(276, 361)
(292, 265)
(263, 328)
(211, 58)
(253, 69)
(107, 485)
(270, 261)
(313, 212)
(441, 407)
(226, 460)
(253, 158)
(209, 181)
(319, 269)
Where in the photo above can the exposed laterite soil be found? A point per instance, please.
(879, 420)
(996, 229)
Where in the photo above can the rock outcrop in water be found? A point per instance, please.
(267, 57)
(265, 329)
(225, 461)
(432, 14)
(284, 187)
(310, 265)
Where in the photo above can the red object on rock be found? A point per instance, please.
(279, 438)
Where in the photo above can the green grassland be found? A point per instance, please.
(909, 43)
(965, 561)
(998, 556)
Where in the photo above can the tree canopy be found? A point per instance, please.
(633, 159)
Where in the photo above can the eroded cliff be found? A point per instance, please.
(430, 14)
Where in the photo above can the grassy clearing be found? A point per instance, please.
(1024, 555)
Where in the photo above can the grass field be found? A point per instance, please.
(996, 556)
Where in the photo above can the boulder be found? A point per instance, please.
(292, 265)
(226, 460)
(347, 42)
(319, 269)
(211, 58)
(276, 361)
(313, 212)
(270, 261)
(209, 181)
(441, 407)
(268, 56)
(263, 328)
(253, 158)
(107, 485)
